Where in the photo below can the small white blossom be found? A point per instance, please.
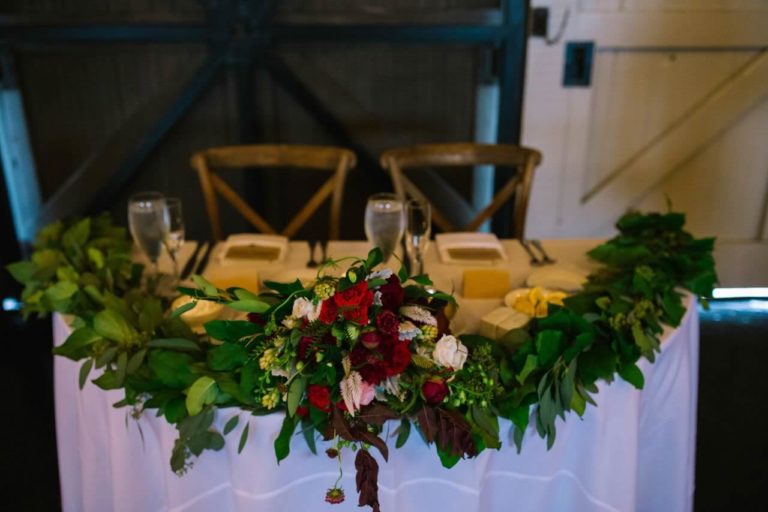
(377, 298)
(418, 314)
(385, 273)
(304, 308)
(450, 352)
(407, 331)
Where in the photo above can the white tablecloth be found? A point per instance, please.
(635, 451)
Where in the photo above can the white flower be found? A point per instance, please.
(418, 314)
(304, 308)
(379, 274)
(391, 386)
(407, 331)
(377, 298)
(450, 352)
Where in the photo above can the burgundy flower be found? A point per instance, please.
(302, 411)
(434, 390)
(373, 373)
(370, 339)
(398, 359)
(319, 396)
(257, 318)
(388, 323)
(392, 293)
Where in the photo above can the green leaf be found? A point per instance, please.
(175, 410)
(202, 392)
(375, 256)
(578, 404)
(107, 380)
(76, 345)
(285, 289)
(183, 309)
(227, 357)
(135, 361)
(231, 330)
(489, 425)
(647, 344)
(599, 362)
(180, 344)
(308, 430)
(283, 441)
(243, 294)
(151, 315)
(106, 357)
(243, 438)
(122, 364)
(446, 459)
(113, 326)
(295, 393)
(249, 306)
(96, 257)
(61, 292)
(231, 424)
(77, 234)
(205, 285)
(403, 431)
(549, 345)
(85, 369)
(423, 280)
(531, 362)
(171, 368)
(520, 416)
(402, 274)
(632, 374)
(22, 271)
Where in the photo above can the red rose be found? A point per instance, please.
(388, 323)
(398, 359)
(392, 293)
(351, 296)
(320, 397)
(306, 344)
(358, 312)
(370, 339)
(434, 390)
(328, 312)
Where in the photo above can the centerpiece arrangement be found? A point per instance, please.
(360, 346)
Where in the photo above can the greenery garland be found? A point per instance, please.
(453, 391)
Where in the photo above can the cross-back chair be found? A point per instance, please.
(401, 160)
(210, 161)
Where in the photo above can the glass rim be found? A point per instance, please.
(380, 196)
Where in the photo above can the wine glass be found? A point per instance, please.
(148, 223)
(384, 222)
(418, 227)
(174, 238)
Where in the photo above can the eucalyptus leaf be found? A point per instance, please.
(243, 438)
(180, 344)
(249, 306)
(231, 424)
(295, 393)
(85, 369)
(202, 392)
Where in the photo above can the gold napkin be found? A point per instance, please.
(485, 283)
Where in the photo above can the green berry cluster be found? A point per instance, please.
(324, 290)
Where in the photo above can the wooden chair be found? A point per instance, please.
(208, 162)
(399, 161)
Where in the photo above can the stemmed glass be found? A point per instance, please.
(174, 238)
(148, 223)
(384, 222)
(418, 228)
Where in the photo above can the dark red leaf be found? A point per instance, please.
(373, 440)
(367, 480)
(427, 423)
(342, 427)
(377, 414)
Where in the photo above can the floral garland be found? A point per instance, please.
(346, 354)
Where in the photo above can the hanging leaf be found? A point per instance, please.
(231, 424)
(202, 392)
(366, 480)
(85, 369)
(295, 393)
(244, 438)
(283, 441)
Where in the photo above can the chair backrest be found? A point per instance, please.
(399, 161)
(208, 162)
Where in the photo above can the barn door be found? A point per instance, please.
(676, 109)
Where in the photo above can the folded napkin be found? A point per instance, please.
(485, 283)
(249, 247)
(473, 248)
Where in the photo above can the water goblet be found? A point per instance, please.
(418, 228)
(384, 222)
(148, 223)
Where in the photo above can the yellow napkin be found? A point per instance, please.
(485, 283)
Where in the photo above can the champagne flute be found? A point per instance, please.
(384, 222)
(148, 223)
(174, 238)
(418, 228)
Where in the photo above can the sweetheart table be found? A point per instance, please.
(634, 451)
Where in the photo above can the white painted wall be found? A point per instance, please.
(678, 108)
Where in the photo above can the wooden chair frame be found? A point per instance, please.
(324, 158)
(398, 161)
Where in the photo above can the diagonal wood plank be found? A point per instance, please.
(711, 117)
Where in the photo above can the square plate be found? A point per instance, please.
(469, 248)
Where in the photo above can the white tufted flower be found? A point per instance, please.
(385, 273)
(418, 314)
